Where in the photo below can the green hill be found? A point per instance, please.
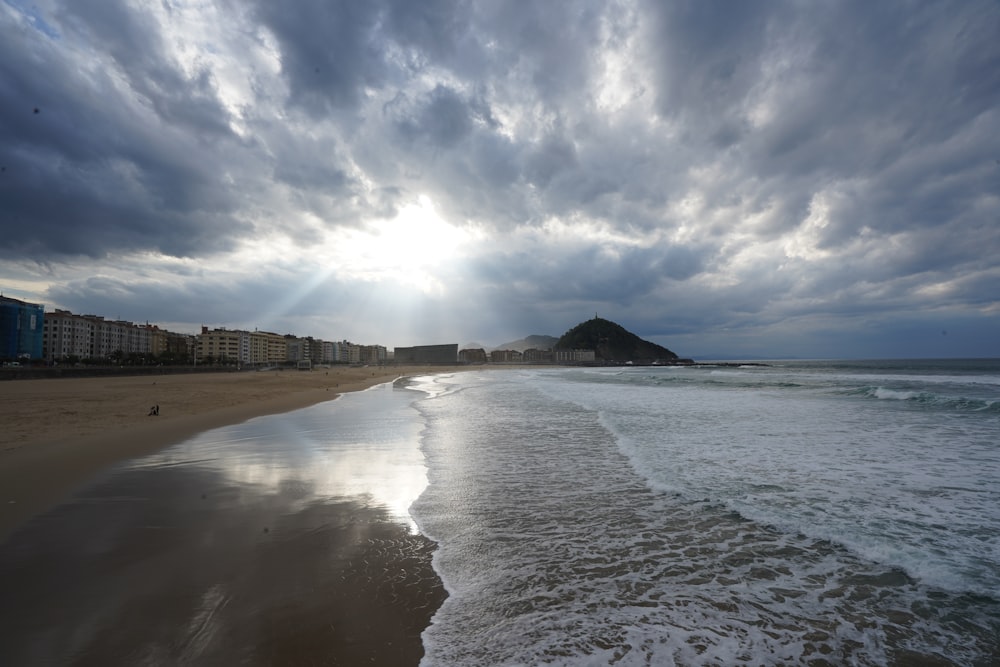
(612, 342)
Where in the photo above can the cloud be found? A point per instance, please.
(688, 167)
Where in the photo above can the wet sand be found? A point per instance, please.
(233, 546)
(178, 568)
(58, 433)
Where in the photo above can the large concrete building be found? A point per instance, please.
(253, 348)
(20, 329)
(220, 346)
(472, 355)
(573, 356)
(427, 354)
(373, 354)
(69, 336)
(506, 357)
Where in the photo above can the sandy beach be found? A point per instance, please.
(58, 432)
(334, 583)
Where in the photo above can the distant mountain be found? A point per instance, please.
(532, 342)
(612, 342)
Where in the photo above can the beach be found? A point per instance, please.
(58, 432)
(813, 513)
(127, 537)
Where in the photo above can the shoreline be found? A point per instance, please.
(59, 433)
(274, 548)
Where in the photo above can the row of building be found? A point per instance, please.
(263, 348)
(27, 332)
(529, 356)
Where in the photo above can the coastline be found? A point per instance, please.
(59, 433)
(172, 563)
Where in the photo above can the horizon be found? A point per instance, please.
(759, 180)
(702, 359)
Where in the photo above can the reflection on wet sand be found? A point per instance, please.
(243, 549)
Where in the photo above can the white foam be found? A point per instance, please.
(572, 527)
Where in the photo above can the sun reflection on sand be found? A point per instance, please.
(364, 446)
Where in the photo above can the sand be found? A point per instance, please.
(57, 433)
(114, 572)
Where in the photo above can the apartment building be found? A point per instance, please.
(297, 348)
(343, 352)
(472, 355)
(533, 355)
(373, 354)
(573, 356)
(219, 345)
(179, 346)
(505, 356)
(253, 348)
(21, 329)
(65, 335)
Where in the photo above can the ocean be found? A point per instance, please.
(802, 512)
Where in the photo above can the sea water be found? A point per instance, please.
(795, 513)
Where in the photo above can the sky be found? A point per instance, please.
(740, 179)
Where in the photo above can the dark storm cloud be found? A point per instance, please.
(859, 95)
(94, 171)
(134, 44)
(442, 117)
(329, 50)
(708, 165)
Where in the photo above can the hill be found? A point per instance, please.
(612, 342)
(532, 342)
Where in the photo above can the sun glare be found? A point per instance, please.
(413, 248)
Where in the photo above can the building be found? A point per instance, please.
(472, 356)
(297, 348)
(219, 346)
(505, 357)
(532, 355)
(344, 352)
(373, 354)
(179, 346)
(273, 347)
(66, 336)
(427, 354)
(573, 356)
(21, 326)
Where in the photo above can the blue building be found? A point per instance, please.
(20, 329)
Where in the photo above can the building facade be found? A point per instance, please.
(373, 354)
(427, 354)
(505, 356)
(533, 355)
(67, 336)
(472, 355)
(21, 329)
(573, 356)
(219, 346)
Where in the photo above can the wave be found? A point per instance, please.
(928, 399)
